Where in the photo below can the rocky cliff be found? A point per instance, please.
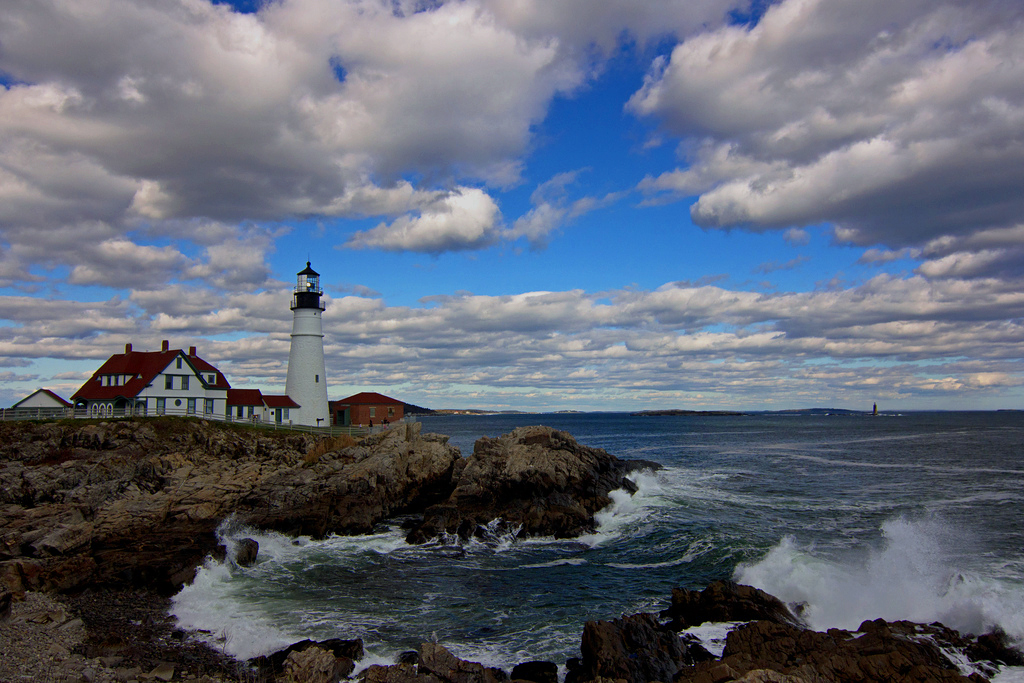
(138, 502)
(534, 479)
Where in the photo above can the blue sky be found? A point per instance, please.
(524, 204)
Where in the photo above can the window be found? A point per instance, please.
(191, 406)
(208, 406)
(184, 382)
(373, 412)
(318, 379)
(286, 413)
(213, 379)
(178, 365)
(161, 406)
(391, 411)
(168, 381)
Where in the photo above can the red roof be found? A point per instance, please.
(205, 368)
(368, 398)
(143, 366)
(245, 397)
(279, 401)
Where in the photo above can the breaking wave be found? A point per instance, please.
(919, 573)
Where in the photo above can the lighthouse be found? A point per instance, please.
(307, 379)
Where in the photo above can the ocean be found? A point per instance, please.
(901, 516)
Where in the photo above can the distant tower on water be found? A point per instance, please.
(307, 378)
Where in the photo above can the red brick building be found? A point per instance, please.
(366, 408)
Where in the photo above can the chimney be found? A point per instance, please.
(128, 347)
(165, 345)
(192, 351)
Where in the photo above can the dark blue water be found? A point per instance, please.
(912, 516)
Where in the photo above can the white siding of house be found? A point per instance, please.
(176, 398)
(40, 399)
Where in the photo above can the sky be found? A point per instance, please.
(524, 204)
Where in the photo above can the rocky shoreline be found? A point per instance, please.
(101, 522)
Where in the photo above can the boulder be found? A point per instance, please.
(344, 654)
(536, 480)
(878, 653)
(315, 665)
(635, 649)
(537, 672)
(396, 673)
(437, 661)
(725, 601)
(247, 552)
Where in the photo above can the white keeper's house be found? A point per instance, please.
(154, 383)
(173, 382)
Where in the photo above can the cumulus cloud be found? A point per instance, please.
(897, 339)
(463, 219)
(898, 122)
(190, 109)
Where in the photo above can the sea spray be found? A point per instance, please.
(917, 574)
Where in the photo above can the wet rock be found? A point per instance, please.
(635, 649)
(725, 601)
(247, 552)
(137, 502)
(538, 481)
(878, 653)
(436, 660)
(346, 652)
(314, 665)
(538, 672)
(397, 673)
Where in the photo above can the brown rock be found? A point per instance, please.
(635, 649)
(396, 673)
(537, 672)
(881, 653)
(535, 479)
(137, 502)
(314, 665)
(437, 661)
(246, 553)
(725, 601)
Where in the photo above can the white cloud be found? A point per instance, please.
(187, 109)
(899, 122)
(464, 219)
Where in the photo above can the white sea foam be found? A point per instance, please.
(712, 635)
(916, 574)
(220, 617)
(626, 510)
(219, 607)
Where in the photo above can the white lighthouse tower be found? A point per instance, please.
(307, 379)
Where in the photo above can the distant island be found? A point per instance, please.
(651, 413)
(473, 411)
